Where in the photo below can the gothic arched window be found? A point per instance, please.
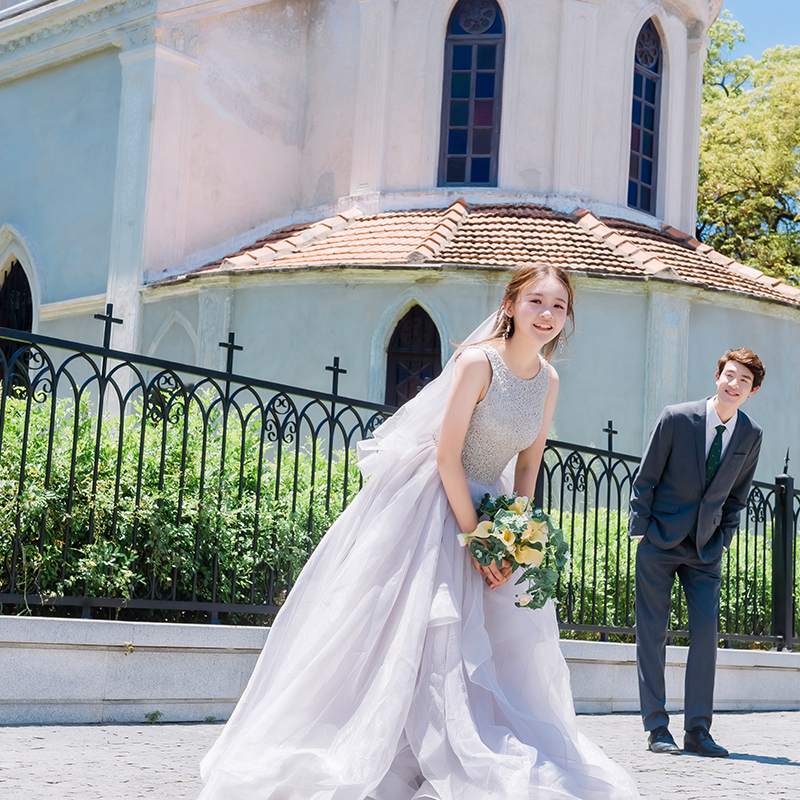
(647, 70)
(413, 358)
(473, 88)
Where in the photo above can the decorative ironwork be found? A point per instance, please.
(337, 371)
(588, 491)
(140, 485)
(232, 348)
(108, 320)
(165, 399)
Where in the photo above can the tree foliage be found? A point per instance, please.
(749, 182)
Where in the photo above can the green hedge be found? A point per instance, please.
(171, 502)
(599, 596)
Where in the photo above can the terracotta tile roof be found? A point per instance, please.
(501, 236)
(697, 263)
(511, 235)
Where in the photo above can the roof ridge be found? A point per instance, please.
(442, 234)
(743, 270)
(622, 246)
(314, 234)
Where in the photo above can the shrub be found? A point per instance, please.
(194, 506)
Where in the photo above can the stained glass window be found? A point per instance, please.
(473, 81)
(647, 69)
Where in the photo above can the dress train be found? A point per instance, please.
(393, 673)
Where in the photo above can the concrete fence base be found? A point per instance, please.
(70, 671)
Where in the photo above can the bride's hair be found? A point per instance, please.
(524, 275)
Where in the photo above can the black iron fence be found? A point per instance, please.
(157, 490)
(141, 485)
(587, 490)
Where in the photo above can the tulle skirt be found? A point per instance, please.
(393, 673)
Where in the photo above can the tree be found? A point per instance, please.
(749, 181)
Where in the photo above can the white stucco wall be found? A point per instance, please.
(332, 62)
(149, 136)
(603, 371)
(565, 129)
(249, 121)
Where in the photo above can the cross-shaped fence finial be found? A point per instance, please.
(231, 347)
(337, 371)
(108, 320)
(610, 431)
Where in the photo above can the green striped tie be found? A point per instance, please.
(714, 456)
(712, 465)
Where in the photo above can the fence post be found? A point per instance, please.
(337, 371)
(783, 561)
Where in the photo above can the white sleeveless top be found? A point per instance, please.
(506, 421)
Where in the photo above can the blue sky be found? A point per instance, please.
(766, 23)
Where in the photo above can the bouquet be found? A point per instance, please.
(524, 536)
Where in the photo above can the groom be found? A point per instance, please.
(693, 481)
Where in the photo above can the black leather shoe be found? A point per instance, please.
(698, 740)
(660, 741)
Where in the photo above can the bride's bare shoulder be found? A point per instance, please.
(477, 350)
(472, 359)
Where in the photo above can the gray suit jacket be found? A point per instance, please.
(669, 494)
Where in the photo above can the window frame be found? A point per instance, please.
(451, 40)
(658, 79)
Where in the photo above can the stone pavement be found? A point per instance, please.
(159, 762)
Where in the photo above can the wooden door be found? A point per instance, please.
(413, 358)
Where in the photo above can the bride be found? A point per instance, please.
(398, 668)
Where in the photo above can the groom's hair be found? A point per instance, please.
(747, 358)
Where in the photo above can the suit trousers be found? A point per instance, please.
(655, 574)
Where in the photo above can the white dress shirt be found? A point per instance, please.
(712, 420)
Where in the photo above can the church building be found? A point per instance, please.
(356, 178)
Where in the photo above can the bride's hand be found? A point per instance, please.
(495, 576)
(485, 572)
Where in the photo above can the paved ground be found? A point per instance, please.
(159, 762)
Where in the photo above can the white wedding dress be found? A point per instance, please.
(392, 672)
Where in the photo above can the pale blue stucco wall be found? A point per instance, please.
(58, 145)
(292, 326)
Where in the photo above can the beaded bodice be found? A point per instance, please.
(506, 421)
